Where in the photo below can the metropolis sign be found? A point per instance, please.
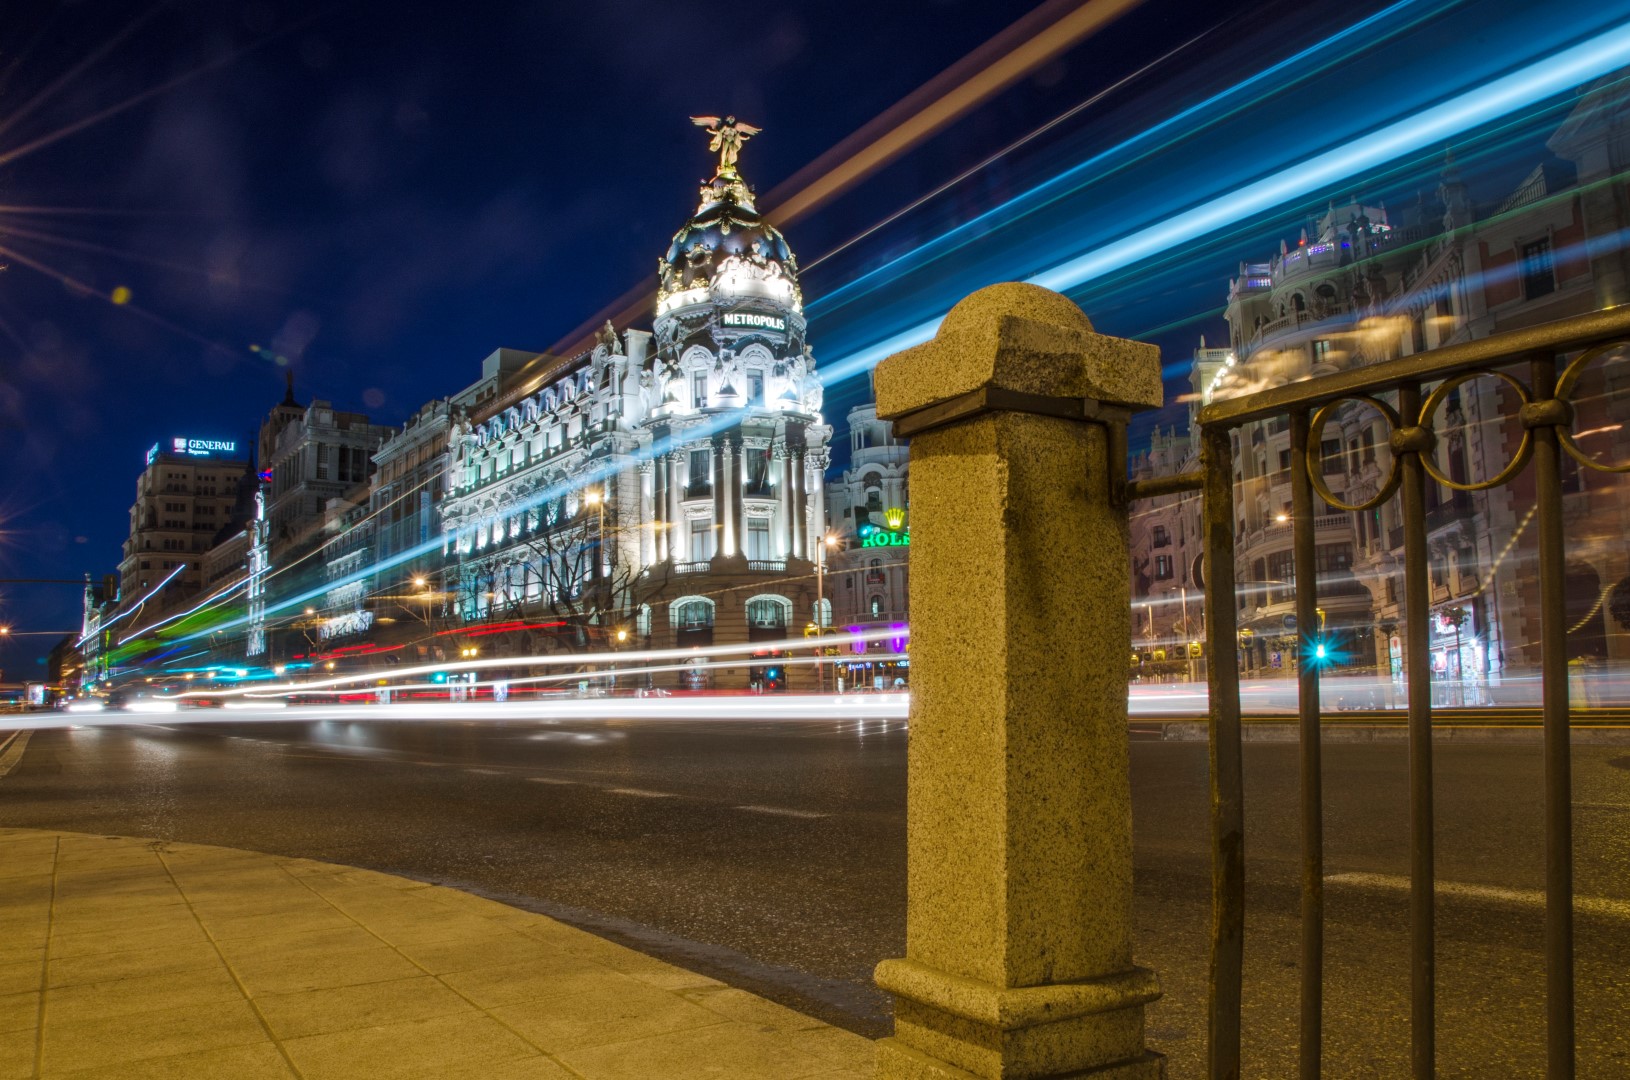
(747, 318)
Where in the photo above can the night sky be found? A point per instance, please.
(384, 193)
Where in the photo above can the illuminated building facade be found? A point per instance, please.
(310, 456)
(665, 487)
(869, 508)
(1359, 288)
(313, 453)
(184, 497)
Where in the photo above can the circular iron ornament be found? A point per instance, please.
(1315, 463)
(1524, 448)
(1564, 388)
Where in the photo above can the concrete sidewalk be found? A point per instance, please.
(138, 959)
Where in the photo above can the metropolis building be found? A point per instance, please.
(663, 489)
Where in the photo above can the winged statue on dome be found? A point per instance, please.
(728, 135)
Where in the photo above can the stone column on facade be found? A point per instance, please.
(800, 506)
(717, 463)
(736, 523)
(651, 506)
(678, 530)
(819, 459)
(731, 497)
(1019, 841)
(783, 497)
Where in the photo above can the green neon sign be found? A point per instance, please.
(880, 539)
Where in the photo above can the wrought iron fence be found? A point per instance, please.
(1408, 393)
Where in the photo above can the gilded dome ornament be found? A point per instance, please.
(728, 135)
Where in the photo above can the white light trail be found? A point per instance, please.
(137, 607)
(744, 649)
(229, 590)
(752, 707)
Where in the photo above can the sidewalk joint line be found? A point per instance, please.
(230, 970)
(45, 963)
(439, 980)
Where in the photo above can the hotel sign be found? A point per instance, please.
(747, 318)
(881, 538)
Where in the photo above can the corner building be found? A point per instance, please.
(663, 489)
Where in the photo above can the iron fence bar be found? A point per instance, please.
(1409, 442)
(1304, 554)
(1155, 486)
(1227, 783)
(1562, 335)
(1553, 645)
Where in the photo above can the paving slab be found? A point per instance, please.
(147, 960)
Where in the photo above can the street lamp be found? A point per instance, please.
(828, 541)
(596, 499)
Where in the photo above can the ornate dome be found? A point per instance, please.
(726, 250)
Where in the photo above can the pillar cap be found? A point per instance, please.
(1027, 344)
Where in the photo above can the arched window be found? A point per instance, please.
(875, 574)
(691, 613)
(876, 606)
(769, 611)
(1299, 301)
(823, 612)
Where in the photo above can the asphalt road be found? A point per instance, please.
(771, 854)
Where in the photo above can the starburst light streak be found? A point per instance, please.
(137, 607)
(556, 659)
(1542, 79)
(74, 244)
(91, 59)
(759, 707)
(224, 60)
(78, 286)
(1307, 63)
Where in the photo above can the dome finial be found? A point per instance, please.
(728, 135)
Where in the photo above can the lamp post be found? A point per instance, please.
(827, 541)
(597, 500)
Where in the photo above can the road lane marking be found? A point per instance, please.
(11, 751)
(782, 811)
(1593, 905)
(641, 794)
(549, 780)
(487, 772)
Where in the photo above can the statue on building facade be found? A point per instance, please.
(728, 135)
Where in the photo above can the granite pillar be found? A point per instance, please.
(1019, 859)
